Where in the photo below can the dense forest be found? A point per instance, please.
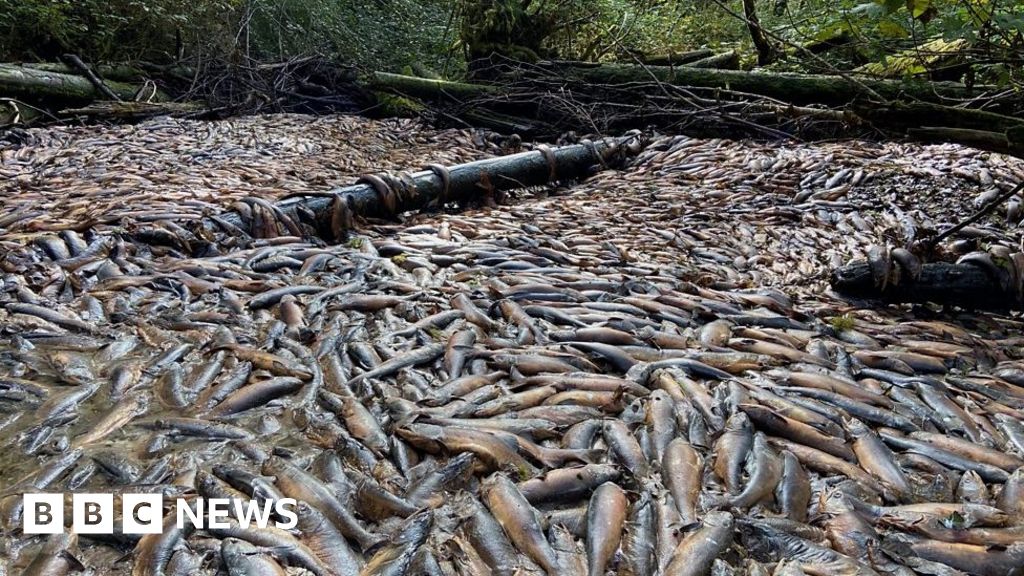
(536, 66)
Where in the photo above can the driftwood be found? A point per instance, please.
(936, 123)
(131, 111)
(331, 214)
(116, 73)
(961, 285)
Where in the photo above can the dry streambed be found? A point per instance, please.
(643, 373)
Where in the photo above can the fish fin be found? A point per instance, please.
(75, 563)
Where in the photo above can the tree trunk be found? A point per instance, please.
(794, 88)
(120, 72)
(318, 214)
(116, 73)
(31, 84)
(1000, 142)
(766, 53)
(941, 283)
(426, 88)
(916, 114)
(132, 111)
(673, 59)
(725, 61)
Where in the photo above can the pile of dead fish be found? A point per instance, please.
(171, 169)
(642, 374)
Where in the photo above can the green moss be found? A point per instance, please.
(390, 105)
(842, 323)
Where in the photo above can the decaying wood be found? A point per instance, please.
(319, 213)
(726, 60)
(914, 114)
(127, 73)
(426, 88)
(134, 110)
(33, 84)
(990, 140)
(676, 59)
(961, 285)
(787, 87)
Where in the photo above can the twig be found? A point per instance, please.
(76, 62)
(930, 243)
(27, 105)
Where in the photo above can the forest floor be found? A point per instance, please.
(541, 316)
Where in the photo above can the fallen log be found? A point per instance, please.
(960, 285)
(425, 88)
(726, 61)
(513, 108)
(32, 84)
(916, 114)
(676, 59)
(330, 214)
(127, 73)
(991, 141)
(131, 111)
(787, 87)
(115, 73)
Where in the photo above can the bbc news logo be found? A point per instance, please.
(144, 513)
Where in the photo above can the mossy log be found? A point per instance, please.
(961, 285)
(1009, 142)
(676, 58)
(915, 114)
(936, 123)
(425, 88)
(787, 87)
(127, 73)
(41, 85)
(724, 61)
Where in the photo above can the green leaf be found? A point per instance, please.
(918, 7)
(890, 29)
